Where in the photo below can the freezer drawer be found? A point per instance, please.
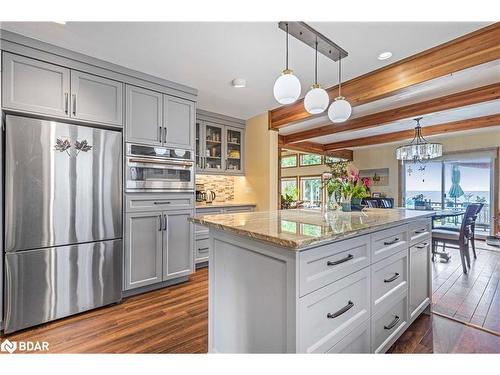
(47, 284)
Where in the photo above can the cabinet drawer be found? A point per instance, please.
(389, 280)
(388, 242)
(419, 231)
(331, 313)
(202, 248)
(329, 263)
(389, 324)
(356, 342)
(232, 210)
(201, 230)
(164, 202)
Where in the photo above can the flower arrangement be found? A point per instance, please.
(344, 183)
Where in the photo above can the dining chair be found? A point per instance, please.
(479, 207)
(458, 239)
(371, 203)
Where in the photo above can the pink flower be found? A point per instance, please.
(367, 182)
(327, 176)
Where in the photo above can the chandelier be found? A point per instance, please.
(419, 149)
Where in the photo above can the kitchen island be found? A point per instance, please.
(309, 281)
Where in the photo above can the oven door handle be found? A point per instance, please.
(187, 164)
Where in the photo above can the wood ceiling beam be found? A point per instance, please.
(449, 127)
(473, 96)
(470, 50)
(316, 148)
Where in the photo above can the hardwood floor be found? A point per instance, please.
(473, 298)
(175, 320)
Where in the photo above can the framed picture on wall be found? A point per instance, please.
(378, 177)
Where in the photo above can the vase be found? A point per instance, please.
(356, 201)
(345, 204)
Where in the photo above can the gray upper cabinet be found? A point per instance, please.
(177, 238)
(143, 249)
(178, 120)
(234, 151)
(143, 121)
(35, 86)
(95, 98)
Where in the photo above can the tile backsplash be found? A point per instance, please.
(223, 186)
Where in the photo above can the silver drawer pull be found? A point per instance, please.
(203, 250)
(393, 323)
(334, 263)
(391, 242)
(390, 280)
(423, 246)
(420, 231)
(162, 202)
(343, 310)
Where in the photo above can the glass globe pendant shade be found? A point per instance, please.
(287, 88)
(340, 110)
(316, 100)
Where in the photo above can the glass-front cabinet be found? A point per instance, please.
(219, 148)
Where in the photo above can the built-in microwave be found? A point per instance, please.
(158, 169)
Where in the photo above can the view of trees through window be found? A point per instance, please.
(289, 161)
(310, 159)
(311, 191)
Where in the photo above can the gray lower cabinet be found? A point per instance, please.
(178, 120)
(143, 119)
(95, 98)
(35, 86)
(420, 285)
(143, 249)
(158, 247)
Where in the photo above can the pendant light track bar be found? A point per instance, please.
(307, 35)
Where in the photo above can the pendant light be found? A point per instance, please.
(340, 109)
(419, 149)
(287, 87)
(316, 100)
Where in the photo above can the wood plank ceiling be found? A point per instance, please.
(479, 47)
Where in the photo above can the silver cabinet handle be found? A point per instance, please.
(424, 244)
(164, 222)
(420, 231)
(393, 323)
(391, 279)
(391, 242)
(159, 220)
(74, 104)
(66, 102)
(343, 310)
(334, 263)
(158, 202)
(159, 133)
(164, 134)
(203, 250)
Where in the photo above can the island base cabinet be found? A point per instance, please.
(357, 342)
(420, 280)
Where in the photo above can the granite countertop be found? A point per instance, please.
(224, 204)
(300, 228)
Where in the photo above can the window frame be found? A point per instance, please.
(311, 177)
(321, 160)
(290, 178)
(287, 156)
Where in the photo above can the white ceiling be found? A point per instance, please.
(207, 56)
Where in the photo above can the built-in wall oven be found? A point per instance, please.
(158, 169)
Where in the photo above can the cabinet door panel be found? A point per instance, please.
(419, 278)
(35, 86)
(143, 120)
(143, 249)
(96, 98)
(177, 245)
(178, 119)
(235, 142)
(214, 139)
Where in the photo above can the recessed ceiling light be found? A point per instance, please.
(384, 56)
(60, 22)
(239, 82)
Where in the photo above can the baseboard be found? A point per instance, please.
(149, 288)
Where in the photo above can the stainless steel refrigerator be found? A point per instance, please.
(63, 220)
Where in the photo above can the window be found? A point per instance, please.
(288, 161)
(289, 187)
(310, 191)
(310, 159)
(332, 159)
